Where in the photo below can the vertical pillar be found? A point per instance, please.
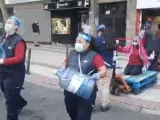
(138, 21)
(131, 19)
(4, 10)
(93, 15)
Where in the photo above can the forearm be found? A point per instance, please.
(19, 55)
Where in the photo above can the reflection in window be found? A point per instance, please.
(61, 25)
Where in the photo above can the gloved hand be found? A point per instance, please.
(115, 58)
(151, 57)
(96, 76)
(144, 68)
(117, 42)
(1, 61)
(62, 68)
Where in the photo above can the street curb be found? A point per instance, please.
(125, 105)
(151, 112)
(134, 107)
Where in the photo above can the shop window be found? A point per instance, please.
(61, 25)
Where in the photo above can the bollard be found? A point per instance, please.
(28, 59)
(66, 50)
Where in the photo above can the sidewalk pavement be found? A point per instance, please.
(53, 55)
(45, 62)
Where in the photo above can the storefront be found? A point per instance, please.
(66, 18)
(113, 15)
(148, 10)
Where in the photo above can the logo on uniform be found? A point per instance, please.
(9, 47)
(85, 61)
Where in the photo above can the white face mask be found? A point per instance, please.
(135, 43)
(79, 47)
(9, 28)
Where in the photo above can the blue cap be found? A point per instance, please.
(100, 27)
(15, 20)
(86, 37)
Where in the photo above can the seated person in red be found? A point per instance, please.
(137, 57)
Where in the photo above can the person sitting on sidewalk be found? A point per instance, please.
(137, 57)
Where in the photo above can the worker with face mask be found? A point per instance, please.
(12, 68)
(84, 60)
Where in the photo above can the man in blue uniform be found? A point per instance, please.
(101, 42)
(12, 68)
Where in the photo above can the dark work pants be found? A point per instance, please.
(153, 63)
(133, 69)
(79, 108)
(14, 100)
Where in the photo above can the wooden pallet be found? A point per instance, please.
(141, 82)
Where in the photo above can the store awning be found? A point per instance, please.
(80, 4)
(145, 4)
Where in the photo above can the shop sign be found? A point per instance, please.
(59, 5)
(144, 4)
(67, 5)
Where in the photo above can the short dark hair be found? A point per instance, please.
(93, 45)
(101, 30)
(159, 26)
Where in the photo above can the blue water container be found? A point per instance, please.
(2, 53)
(86, 88)
(73, 81)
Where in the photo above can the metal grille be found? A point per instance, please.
(115, 20)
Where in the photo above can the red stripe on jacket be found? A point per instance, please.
(19, 54)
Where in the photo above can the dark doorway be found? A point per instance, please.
(148, 13)
(113, 15)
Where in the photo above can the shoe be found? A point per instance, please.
(21, 107)
(37, 45)
(104, 109)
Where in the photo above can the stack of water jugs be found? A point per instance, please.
(75, 82)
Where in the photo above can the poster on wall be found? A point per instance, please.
(61, 25)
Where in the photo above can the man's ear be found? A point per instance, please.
(16, 28)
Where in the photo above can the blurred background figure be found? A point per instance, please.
(36, 32)
(103, 45)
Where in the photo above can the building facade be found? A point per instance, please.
(148, 11)
(119, 15)
(66, 18)
(28, 11)
(59, 19)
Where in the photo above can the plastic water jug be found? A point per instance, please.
(75, 82)
(2, 53)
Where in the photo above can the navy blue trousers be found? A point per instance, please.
(154, 63)
(79, 108)
(14, 100)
